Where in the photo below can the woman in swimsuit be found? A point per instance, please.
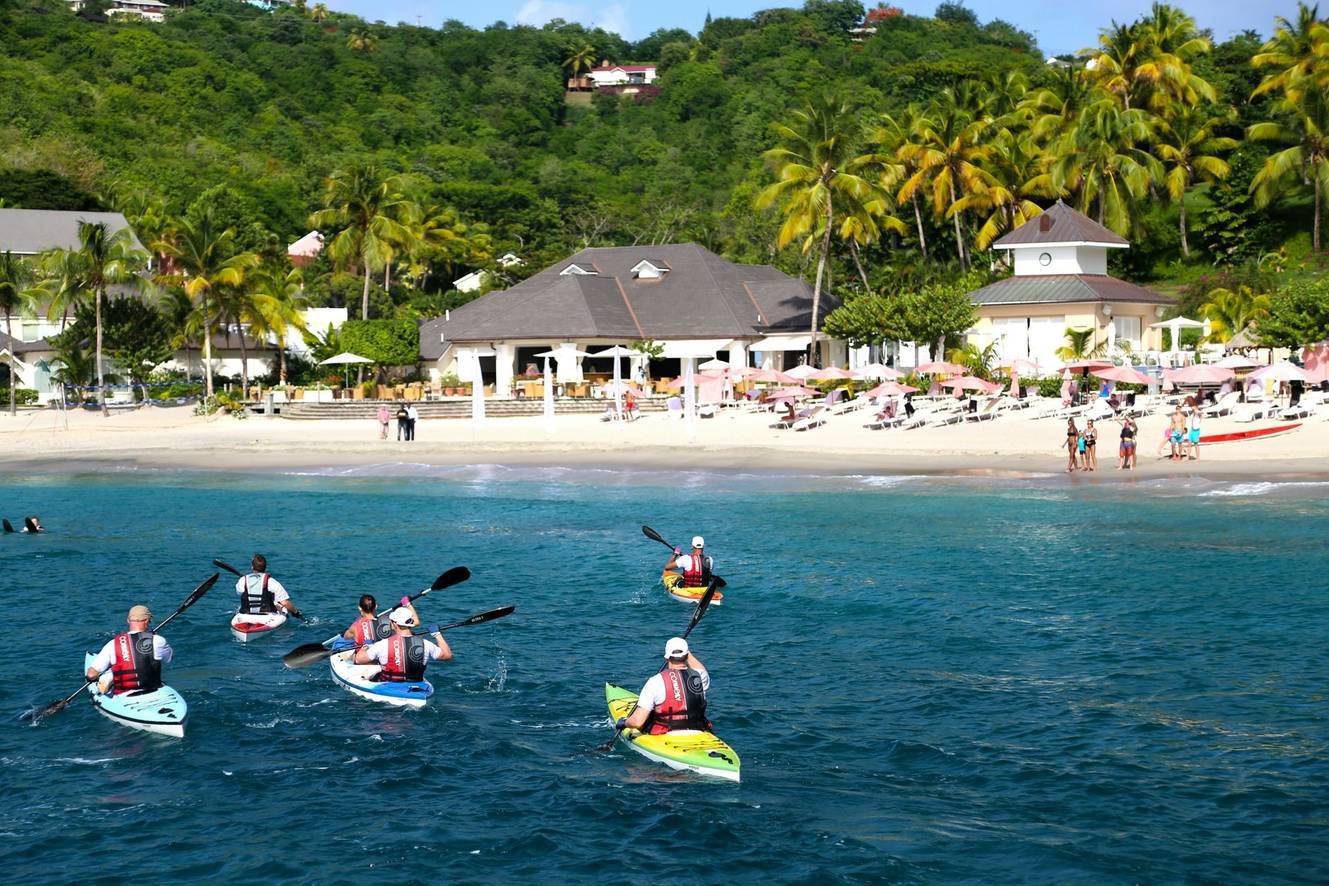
(1071, 444)
(1127, 448)
(1090, 443)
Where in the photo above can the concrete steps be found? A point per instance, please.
(456, 408)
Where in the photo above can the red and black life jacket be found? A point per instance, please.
(406, 660)
(256, 602)
(684, 706)
(134, 666)
(372, 628)
(698, 573)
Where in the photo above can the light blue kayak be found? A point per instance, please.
(163, 710)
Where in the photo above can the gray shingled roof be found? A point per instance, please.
(1060, 224)
(33, 231)
(703, 296)
(1054, 288)
(18, 347)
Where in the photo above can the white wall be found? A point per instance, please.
(1064, 260)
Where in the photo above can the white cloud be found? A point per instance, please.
(613, 17)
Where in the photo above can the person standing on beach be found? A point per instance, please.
(674, 698)
(1072, 445)
(1126, 451)
(1177, 433)
(1090, 441)
(135, 657)
(261, 593)
(402, 418)
(383, 418)
(412, 416)
(689, 570)
(403, 656)
(1193, 434)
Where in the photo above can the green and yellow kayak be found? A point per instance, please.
(673, 583)
(689, 750)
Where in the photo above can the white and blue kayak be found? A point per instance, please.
(161, 710)
(359, 679)
(246, 627)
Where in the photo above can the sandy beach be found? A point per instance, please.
(1015, 443)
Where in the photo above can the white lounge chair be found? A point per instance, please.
(1224, 405)
(815, 419)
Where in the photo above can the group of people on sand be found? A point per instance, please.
(1183, 432)
(1081, 445)
(674, 698)
(407, 415)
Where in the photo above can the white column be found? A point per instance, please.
(738, 354)
(569, 370)
(504, 364)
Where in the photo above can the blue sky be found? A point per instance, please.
(1049, 20)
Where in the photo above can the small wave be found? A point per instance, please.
(886, 481)
(84, 761)
(1264, 487)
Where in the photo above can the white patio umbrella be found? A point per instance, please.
(879, 371)
(689, 399)
(1280, 371)
(345, 358)
(713, 363)
(549, 398)
(1174, 326)
(617, 351)
(801, 372)
(1237, 361)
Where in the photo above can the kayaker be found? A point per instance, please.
(371, 627)
(33, 524)
(403, 656)
(675, 698)
(135, 657)
(261, 593)
(695, 567)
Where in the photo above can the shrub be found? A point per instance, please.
(22, 397)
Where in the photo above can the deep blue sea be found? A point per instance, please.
(929, 680)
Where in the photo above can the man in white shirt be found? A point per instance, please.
(260, 592)
(135, 657)
(675, 698)
(695, 567)
(412, 416)
(403, 656)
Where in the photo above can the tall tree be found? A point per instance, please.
(1101, 161)
(278, 299)
(1295, 54)
(1231, 311)
(818, 169)
(1305, 160)
(16, 297)
(1186, 145)
(363, 201)
(106, 259)
(207, 259)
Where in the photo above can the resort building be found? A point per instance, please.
(1061, 283)
(684, 298)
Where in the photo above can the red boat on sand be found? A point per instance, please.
(1252, 434)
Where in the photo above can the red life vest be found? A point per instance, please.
(364, 630)
(406, 660)
(684, 706)
(698, 573)
(134, 666)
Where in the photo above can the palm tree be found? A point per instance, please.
(1014, 162)
(1230, 312)
(361, 41)
(278, 298)
(1100, 161)
(318, 12)
(106, 259)
(1080, 344)
(1054, 109)
(63, 283)
(1296, 52)
(1116, 63)
(207, 259)
(15, 298)
(579, 56)
(946, 148)
(892, 135)
(1169, 41)
(363, 200)
(1306, 160)
(818, 169)
(1187, 147)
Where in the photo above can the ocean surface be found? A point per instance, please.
(929, 680)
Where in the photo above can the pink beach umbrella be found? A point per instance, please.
(1237, 361)
(1316, 360)
(890, 388)
(1066, 385)
(941, 368)
(1200, 373)
(772, 375)
(1023, 366)
(971, 383)
(879, 371)
(1092, 365)
(1015, 383)
(831, 373)
(1280, 371)
(801, 372)
(791, 392)
(1123, 373)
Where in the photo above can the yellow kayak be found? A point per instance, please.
(686, 749)
(673, 583)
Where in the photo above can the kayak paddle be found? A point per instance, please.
(716, 583)
(454, 576)
(222, 564)
(652, 534)
(36, 716)
(9, 527)
(311, 653)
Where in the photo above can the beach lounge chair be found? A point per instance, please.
(1250, 411)
(986, 412)
(814, 419)
(861, 400)
(1301, 409)
(785, 424)
(1224, 405)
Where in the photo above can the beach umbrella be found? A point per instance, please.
(713, 363)
(801, 372)
(689, 399)
(1123, 373)
(549, 398)
(1021, 366)
(1174, 326)
(616, 352)
(1086, 366)
(888, 388)
(831, 373)
(772, 375)
(791, 392)
(934, 389)
(1280, 371)
(970, 383)
(1065, 385)
(345, 358)
(1237, 361)
(941, 368)
(1200, 373)
(879, 371)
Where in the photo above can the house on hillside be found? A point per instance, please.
(29, 233)
(1061, 282)
(303, 251)
(474, 281)
(621, 79)
(686, 298)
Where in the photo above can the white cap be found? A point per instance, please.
(401, 616)
(677, 647)
(698, 541)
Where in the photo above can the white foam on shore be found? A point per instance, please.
(1267, 487)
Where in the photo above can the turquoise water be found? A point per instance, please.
(929, 680)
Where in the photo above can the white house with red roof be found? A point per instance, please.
(622, 75)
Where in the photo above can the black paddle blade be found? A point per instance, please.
(309, 653)
(199, 591)
(702, 605)
(9, 527)
(222, 564)
(454, 576)
(655, 536)
(483, 617)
